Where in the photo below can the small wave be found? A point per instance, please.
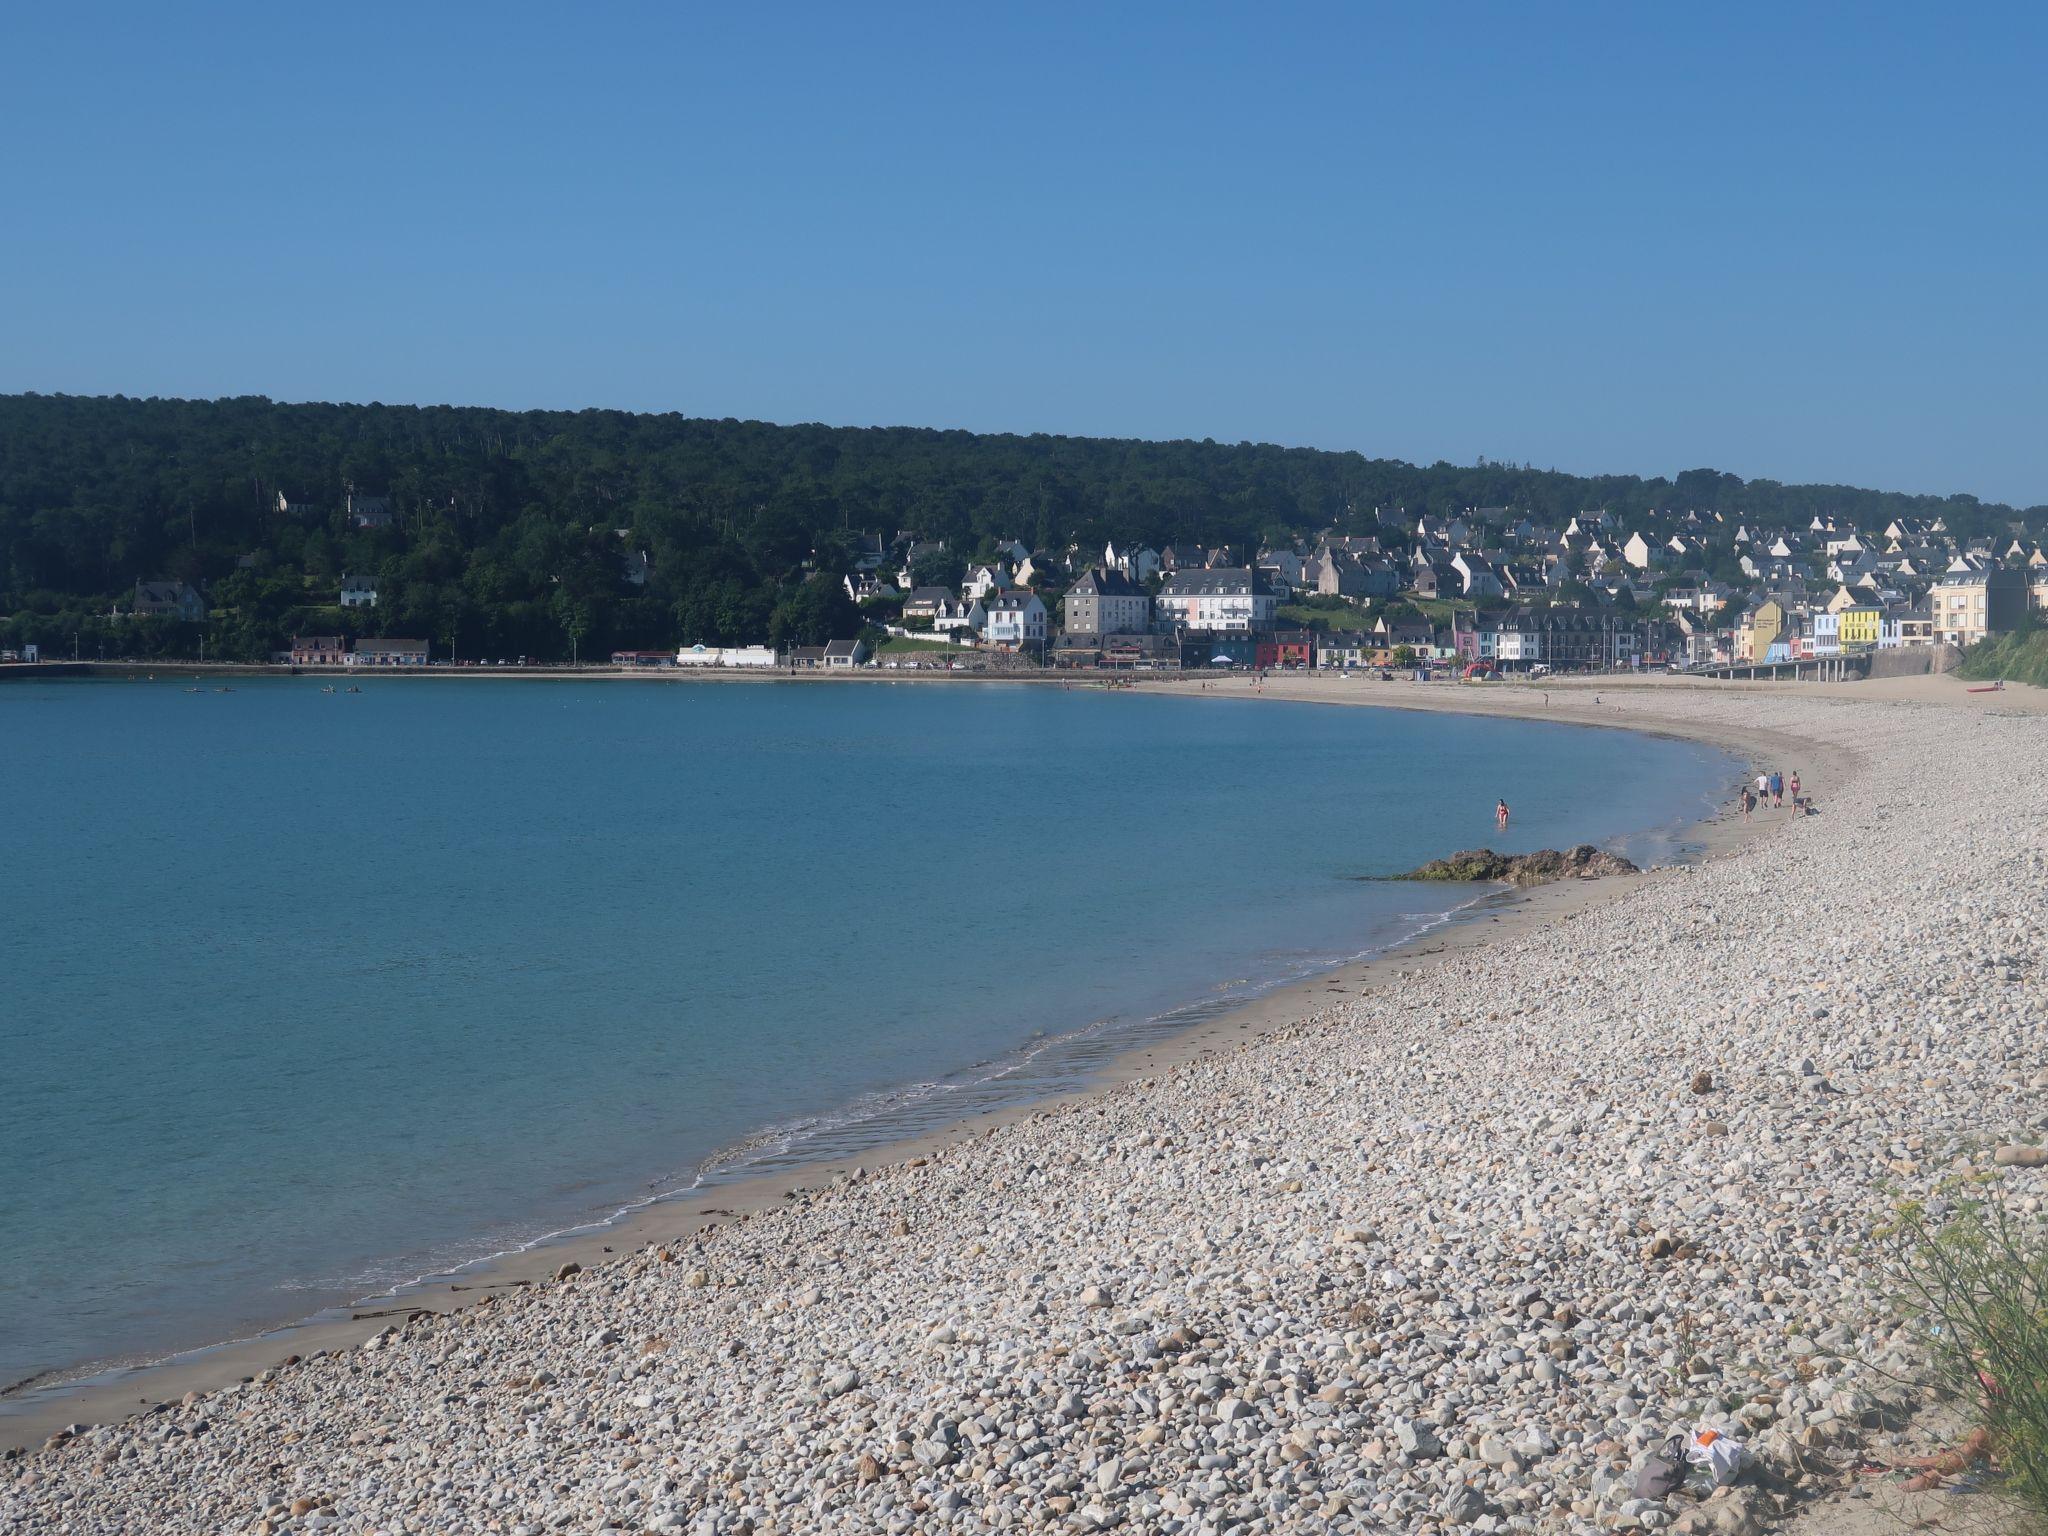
(1043, 1067)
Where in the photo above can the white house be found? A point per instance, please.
(984, 579)
(726, 656)
(953, 613)
(926, 603)
(1479, 579)
(1225, 598)
(1015, 619)
(358, 592)
(1513, 643)
(1340, 648)
(388, 653)
(846, 653)
(862, 585)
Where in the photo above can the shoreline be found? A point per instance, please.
(32, 1410)
(1460, 1251)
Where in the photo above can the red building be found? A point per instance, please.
(1287, 649)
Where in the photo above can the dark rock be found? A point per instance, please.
(1476, 865)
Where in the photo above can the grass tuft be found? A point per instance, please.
(1975, 1281)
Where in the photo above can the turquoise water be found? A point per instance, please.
(305, 995)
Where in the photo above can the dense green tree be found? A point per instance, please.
(937, 568)
(814, 613)
(512, 531)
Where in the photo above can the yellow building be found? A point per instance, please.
(1859, 623)
(1765, 625)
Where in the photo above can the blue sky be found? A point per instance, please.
(1801, 242)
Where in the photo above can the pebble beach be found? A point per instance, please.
(1451, 1249)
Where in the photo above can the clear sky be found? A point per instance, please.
(1804, 242)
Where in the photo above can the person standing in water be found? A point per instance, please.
(1500, 814)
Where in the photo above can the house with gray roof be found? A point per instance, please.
(169, 600)
(1106, 602)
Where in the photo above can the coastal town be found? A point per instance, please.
(1490, 592)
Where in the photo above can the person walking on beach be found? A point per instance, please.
(1793, 787)
(1763, 786)
(1777, 791)
(1500, 814)
(1748, 802)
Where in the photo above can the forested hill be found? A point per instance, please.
(506, 530)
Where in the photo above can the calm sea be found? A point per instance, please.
(304, 995)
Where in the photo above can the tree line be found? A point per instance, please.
(513, 530)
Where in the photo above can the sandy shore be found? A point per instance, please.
(1846, 742)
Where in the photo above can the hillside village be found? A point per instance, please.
(1491, 589)
(1487, 590)
(239, 529)
(250, 531)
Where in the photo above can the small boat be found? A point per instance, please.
(1997, 687)
(223, 690)
(352, 688)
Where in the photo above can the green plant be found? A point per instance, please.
(2019, 657)
(1975, 1282)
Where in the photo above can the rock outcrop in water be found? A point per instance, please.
(1585, 862)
